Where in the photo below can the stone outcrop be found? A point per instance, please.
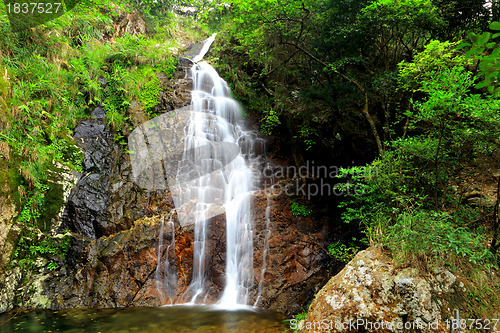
(85, 212)
(118, 252)
(371, 295)
(7, 228)
(8, 237)
(122, 269)
(105, 200)
(296, 259)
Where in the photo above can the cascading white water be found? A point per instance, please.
(204, 49)
(209, 160)
(216, 118)
(266, 250)
(168, 282)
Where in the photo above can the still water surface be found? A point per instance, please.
(182, 319)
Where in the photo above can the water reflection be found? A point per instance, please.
(180, 319)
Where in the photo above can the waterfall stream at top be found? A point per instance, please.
(207, 156)
(216, 118)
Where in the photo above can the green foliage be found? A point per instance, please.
(462, 16)
(394, 214)
(50, 77)
(33, 244)
(269, 122)
(150, 92)
(436, 236)
(343, 252)
(336, 56)
(300, 317)
(166, 66)
(450, 120)
(115, 102)
(300, 210)
(486, 52)
(307, 135)
(402, 205)
(390, 20)
(435, 58)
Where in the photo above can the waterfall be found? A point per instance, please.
(216, 118)
(209, 159)
(167, 282)
(266, 249)
(204, 49)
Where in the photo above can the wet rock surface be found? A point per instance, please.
(110, 271)
(106, 200)
(116, 226)
(85, 212)
(296, 264)
(8, 285)
(122, 269)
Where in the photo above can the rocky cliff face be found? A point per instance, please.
(7, 215)
(116, 226)
(121, 269)
(371, 295)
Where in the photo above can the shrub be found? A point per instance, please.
(269, 122)
(300, 210)
(433, 236)
(150, 93)
(343, 252)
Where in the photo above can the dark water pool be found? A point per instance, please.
(163, 319)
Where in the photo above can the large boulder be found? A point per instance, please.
(85, 212)
(371, 295)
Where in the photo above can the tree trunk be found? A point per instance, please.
(436, 164)
(495, 243)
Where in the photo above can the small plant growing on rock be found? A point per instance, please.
(269, 122)
(149, 94)
(300, 210)
(342, 251)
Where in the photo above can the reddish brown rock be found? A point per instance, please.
(121, 269)
(296, 260)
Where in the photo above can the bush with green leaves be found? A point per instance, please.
(433, 235)
(269, 122)
(343, 252)
(33, 245)
(394, 215)
(300, 210)
(307, 136)
(486, 54)
(405, 205)
(150, 92)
